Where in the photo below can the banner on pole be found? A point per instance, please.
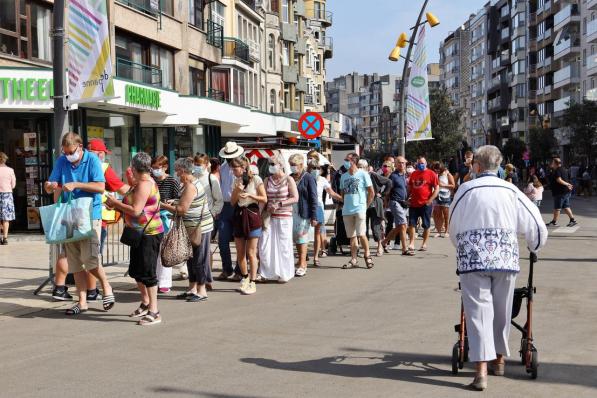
(89, 66)
(418, 115)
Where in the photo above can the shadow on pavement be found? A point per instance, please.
(419, 368)
(194, 393)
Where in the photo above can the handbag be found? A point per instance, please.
(176, 246)
(68, 222)
(132, 237)
(195, 236)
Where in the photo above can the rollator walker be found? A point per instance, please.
(528, 352)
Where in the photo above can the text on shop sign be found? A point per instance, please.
(27, 89)
(142, 96)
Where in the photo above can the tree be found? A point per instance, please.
(581, 118)
(513, 150)
(445, 128)
(542, 144)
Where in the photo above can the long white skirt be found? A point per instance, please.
(276, 255)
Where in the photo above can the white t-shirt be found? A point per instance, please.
(322, 185)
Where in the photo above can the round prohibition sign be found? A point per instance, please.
(311, 125)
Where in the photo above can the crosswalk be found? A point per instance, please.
(565, 230)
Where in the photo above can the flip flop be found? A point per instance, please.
(408, 253)
(75, 310)
(423, 249)
(108, 302)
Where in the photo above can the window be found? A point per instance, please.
(25, 30)
(220, 83)
(167, 7)
(285, 11)
(217, 13)
(274, 6)
(272, 101)
(196, 13)
(238, 87)
(286, 96)
(285, 54)
(318, 63)
(318, 94)
(271, 52)
(164, 60)
(197, 82)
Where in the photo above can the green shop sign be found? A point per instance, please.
(26, 89)
(418, 81)
(142, 96)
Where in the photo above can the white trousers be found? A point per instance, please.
(276, 255)
(487, 299)
(164, 274)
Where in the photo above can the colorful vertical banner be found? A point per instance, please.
(418, 115)
(89, 65)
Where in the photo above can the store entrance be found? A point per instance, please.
(24, 138)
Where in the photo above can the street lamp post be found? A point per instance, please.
(395, 54)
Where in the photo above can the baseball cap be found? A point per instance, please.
(98, 145)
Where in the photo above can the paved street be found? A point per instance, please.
(385, 332)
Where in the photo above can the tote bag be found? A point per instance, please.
(176, 246)
(68, 222)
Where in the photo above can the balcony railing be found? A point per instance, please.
(322, 15)
(249, 3)
(215, 34)
(591, 62)
(494, 103)
(566, 45)
(309, 99)
(216, 94)
(505, 33)
(236, 49)
(566, 12)
(254, 50)
(592, 27)
(141, 5)
(567, 72)
(564, 103)
(138, 72)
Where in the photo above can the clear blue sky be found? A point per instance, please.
(364, 32)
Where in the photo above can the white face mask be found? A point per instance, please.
(293, 169)
(157, 172)
(73, 157)
(410, 170)
(315, 173)
(273, 169)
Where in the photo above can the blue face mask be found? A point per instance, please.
(347, 164)
(198, 170)
(421, 166)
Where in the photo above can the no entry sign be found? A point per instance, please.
(311, 125)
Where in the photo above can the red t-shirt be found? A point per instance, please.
(420, 185)
(113, 183)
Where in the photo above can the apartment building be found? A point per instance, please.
(209, 65)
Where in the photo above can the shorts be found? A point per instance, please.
(355, 225)
(320, 215)
(443, 202)
(561, 201)
(144, 260)
(300, 229)
(420, 212)
(84, 255)
(398, 213)
(256, 233)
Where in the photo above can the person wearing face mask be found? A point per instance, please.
(323, 185)
(79, 173)
(423, 187)
(275, 245)
(375, 212)
(169, 189)
(305, 211)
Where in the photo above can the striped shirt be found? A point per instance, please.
(199, 211)
(279, 192)
(169, 188)
(150, 213)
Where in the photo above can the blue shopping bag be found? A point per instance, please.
(166, 217)
(67, 222)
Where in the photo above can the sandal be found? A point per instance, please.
(196, 298)
(151, 318)
(184, 296)
(316, 263)
(108, 302)
(423, 249)
(353, 263)
(369, 262)
(140, 312)
(408, 253)
(75, 310)
(323, 253)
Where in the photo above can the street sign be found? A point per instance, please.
(311, 125)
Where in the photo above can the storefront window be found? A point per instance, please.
(182, 144)
(118, 132)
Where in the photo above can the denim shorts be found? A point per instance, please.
(320, 215)
(561, 201)
(444, 202)
(398, 213)
(423, 212)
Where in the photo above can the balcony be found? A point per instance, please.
(565, 47)
(494, 103)
(592, 65)
(519, 54)
(564, 103)
(215, 34)
(328, 46)
(143, 6)
(592, 31)
(309, 99)
(591, 5)
(302, 85)
(138, 72)
(289, 32)
(250, 4)
(567, 75)
(565, 16)
(254, 51)
(216, 95)
(505, 34)
(236, 49)
(321, 15)
(290, 73)
(301, 46)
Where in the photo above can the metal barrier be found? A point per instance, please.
(115, 252)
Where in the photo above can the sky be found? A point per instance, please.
(365, 31)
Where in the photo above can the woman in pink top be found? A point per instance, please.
(534, 190)
(8, 181)
(275, 245)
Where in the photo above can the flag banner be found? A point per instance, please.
(89, 65)
(418, 115)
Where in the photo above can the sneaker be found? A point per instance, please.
(94, 295)
(244, 283)
(300, 272)
(552, 223)
(396, 247)
(237, 277)
(250, 289)
(60, 293)
(572, 223)
(3, 241)
(164, 290)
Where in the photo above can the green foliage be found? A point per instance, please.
(542, 143)
(445, 128)
(513, 150)
(581, 118)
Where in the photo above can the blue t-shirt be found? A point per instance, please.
(355, 192)
(88, 170)
(399, 186)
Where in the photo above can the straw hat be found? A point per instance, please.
(231, 150)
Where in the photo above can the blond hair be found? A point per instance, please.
(71, 138)
(3, 158)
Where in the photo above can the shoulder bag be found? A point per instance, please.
(132, 237)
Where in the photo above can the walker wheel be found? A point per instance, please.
(455, 358)
(534, 363)
(523, 351)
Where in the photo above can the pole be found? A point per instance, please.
(402, 127)
(60, 113)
